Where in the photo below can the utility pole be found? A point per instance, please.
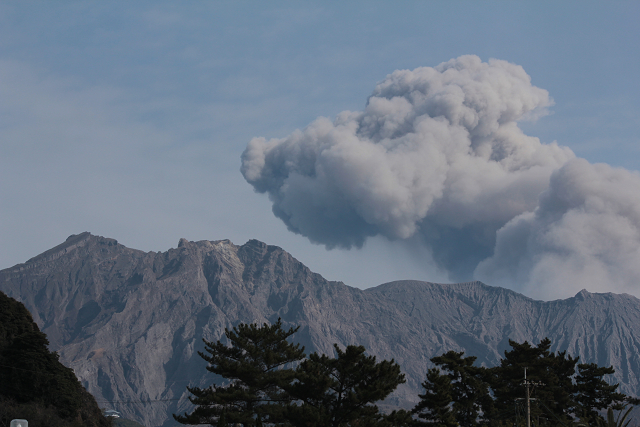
(528, 384)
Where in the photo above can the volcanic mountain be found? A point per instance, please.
(130, 322)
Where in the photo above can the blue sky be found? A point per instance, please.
(128, 119)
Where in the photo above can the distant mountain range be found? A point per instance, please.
(130, 322)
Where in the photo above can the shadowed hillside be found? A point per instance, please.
(34, 385)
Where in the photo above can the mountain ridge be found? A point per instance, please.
(130, 322)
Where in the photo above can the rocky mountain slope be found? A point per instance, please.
(130, 322)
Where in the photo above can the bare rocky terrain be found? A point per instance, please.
(130, 322)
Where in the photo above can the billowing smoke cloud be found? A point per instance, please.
(585, 233)
(437, 152)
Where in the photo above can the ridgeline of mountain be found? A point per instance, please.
(130, 323)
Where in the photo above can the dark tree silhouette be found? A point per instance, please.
(458, 393)
(462, 384)
(32, 379)
(255, 365)
(342, 391)
(593, 393)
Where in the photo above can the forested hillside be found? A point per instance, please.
(34, 385)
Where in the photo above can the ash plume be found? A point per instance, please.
(585, 233)
(437, 154)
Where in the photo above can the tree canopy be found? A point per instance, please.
(271, 382)
(265, 388)
(255, 364)
(33, 382)
(341, 391)
(458, 393)
(461, 396)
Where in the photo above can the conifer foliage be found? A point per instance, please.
(435, 406)
(552, 372)
(272, 383)
(460, 394)
(33, 383)
(593, 393)
(255, 365)
(265, 389)
(341, 391)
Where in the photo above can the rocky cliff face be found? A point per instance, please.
(130, 323)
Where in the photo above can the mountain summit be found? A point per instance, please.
(130, 322)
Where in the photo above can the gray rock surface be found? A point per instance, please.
(130, 323)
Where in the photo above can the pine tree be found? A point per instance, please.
(553, 373)
(469, 390)
(341, 391)
(593, 393)
(457, 393)
(255, 366)
(435, 406)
